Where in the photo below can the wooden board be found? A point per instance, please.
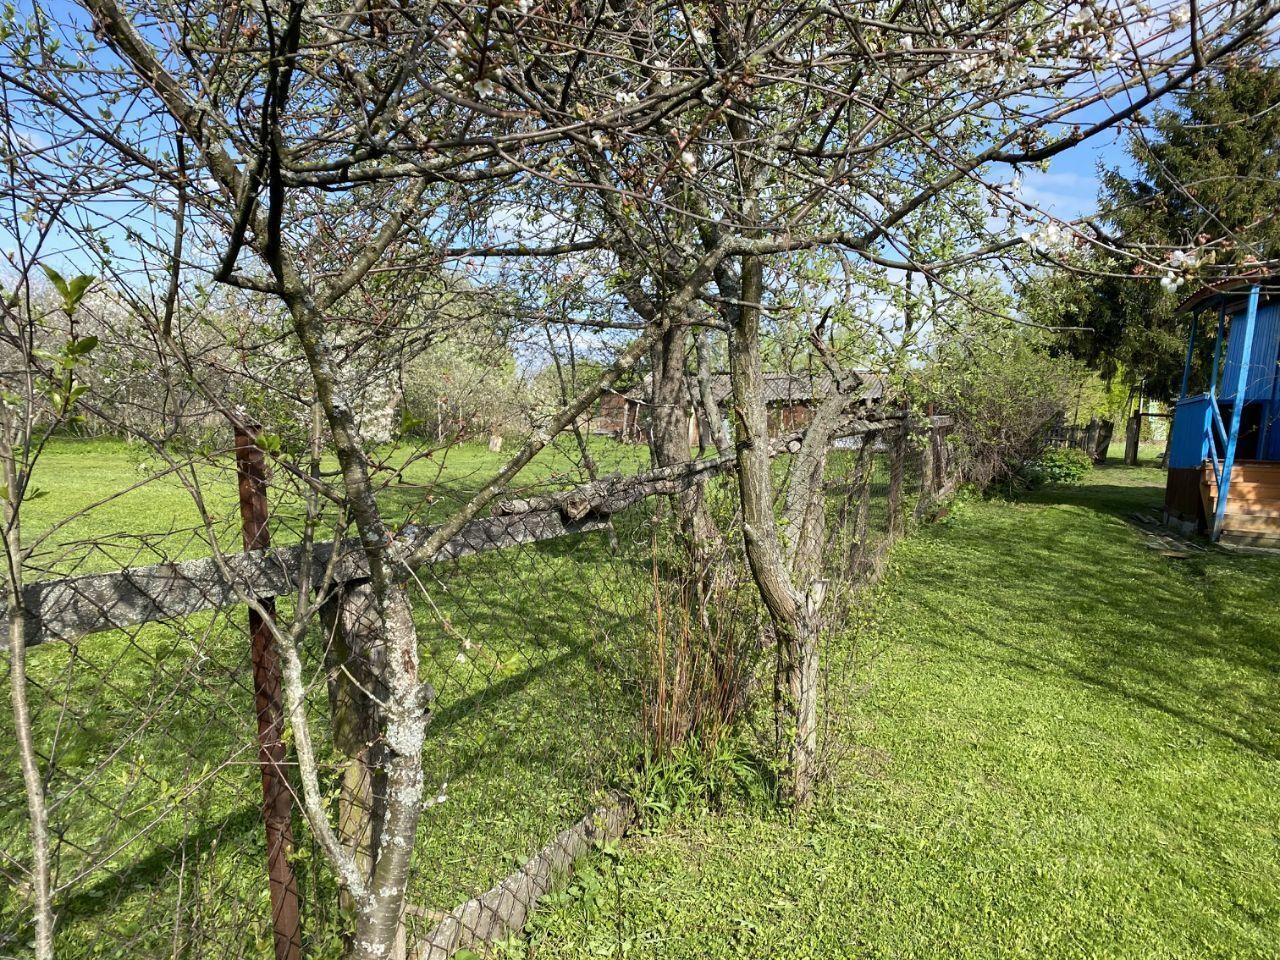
(70, 608)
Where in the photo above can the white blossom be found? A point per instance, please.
(1047, 237)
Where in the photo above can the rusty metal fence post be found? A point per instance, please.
(277, 798)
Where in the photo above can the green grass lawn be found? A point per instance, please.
(151, 731)
(1048, 741)
(106, 504)
(148, 735)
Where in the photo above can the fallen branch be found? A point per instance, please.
(610, 495)
(72, 607)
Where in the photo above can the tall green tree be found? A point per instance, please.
(1202, 200)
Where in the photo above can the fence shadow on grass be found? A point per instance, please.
(1085, 600)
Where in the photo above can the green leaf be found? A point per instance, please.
(83, 345)
(409, 423)
(56, 279)
(76, 290)
(73, 292)
(270, 442)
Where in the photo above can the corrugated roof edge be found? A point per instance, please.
(1229, 288)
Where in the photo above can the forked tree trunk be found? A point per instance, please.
(692, 568)
(672, 406)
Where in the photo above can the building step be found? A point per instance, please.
(1255, 541)
(1247, 480)
(1251, 523)
(1250, 469)
(1253, 507)
(1243, 506)
(1269, 511)
(1247, 491)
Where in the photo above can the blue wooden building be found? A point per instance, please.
(1224, 452)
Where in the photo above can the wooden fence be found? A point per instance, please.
(71, 608)
(1093, 437)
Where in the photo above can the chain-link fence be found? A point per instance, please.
(568, 639)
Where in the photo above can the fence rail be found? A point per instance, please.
(92, 603)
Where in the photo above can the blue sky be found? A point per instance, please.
(1070, 188)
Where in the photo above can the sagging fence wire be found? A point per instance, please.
(566, 638)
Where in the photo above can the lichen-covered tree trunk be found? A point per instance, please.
(672, 405)
(693, 567)
(349, 639)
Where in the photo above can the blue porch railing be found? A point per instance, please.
(1222, 440)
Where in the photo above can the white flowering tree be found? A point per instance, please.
(323, 158)
(674, 170)
(757, 151)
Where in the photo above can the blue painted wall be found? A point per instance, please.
(1262, 362)
(1189, 444)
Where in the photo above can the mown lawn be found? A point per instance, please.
(1049, 741)
(148, 735)
(104, 504)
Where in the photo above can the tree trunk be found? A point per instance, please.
(28, 758)
(380, 931)
(897, 471)
(716, 431)
(796, 642)
(692, 569)
(928, 477)
(1132, 431)
(349, 638)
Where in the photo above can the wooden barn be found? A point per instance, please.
(622, 415)
(790, 398)
(1224, 452)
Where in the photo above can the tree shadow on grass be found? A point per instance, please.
(1065, 595)
(517, 745)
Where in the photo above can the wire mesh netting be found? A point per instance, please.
(562, 650)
